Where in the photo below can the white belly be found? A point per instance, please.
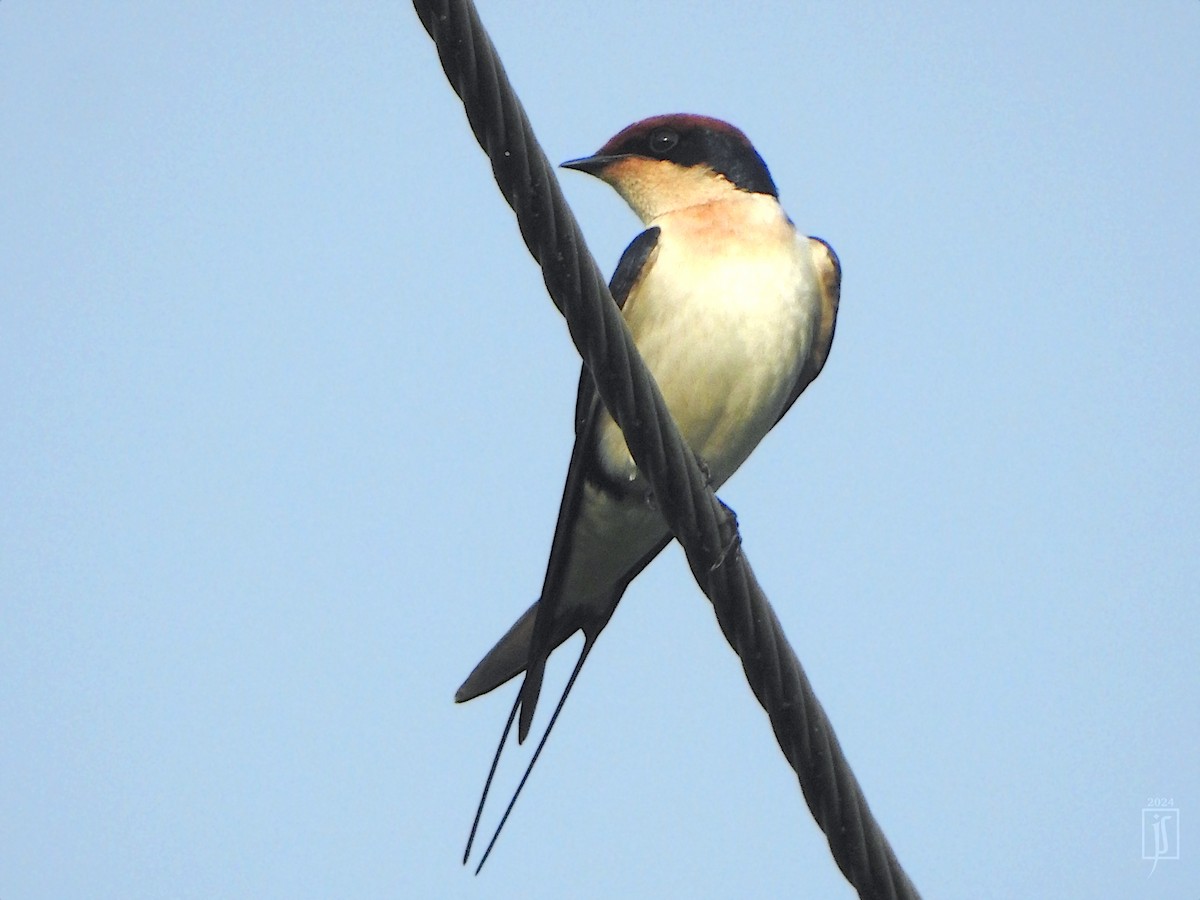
(725, 337)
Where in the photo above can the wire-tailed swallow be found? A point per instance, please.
(733, 311)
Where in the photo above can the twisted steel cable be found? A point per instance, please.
(704, 526)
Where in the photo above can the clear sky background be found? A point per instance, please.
(285, 414)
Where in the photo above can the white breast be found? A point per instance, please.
(725, 318)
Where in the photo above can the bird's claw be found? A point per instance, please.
(735, 541)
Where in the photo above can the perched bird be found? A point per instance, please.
(733, 312)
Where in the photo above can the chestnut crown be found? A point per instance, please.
(691, 140)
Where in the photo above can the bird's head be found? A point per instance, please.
(674, 161)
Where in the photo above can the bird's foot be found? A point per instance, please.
(734, 542)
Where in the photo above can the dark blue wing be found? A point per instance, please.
(636, 259)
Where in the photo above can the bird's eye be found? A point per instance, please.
(663, 141)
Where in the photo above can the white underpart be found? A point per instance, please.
(725, 319)
(725, 325)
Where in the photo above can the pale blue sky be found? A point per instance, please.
(285, 413)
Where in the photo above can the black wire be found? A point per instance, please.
(704, 527)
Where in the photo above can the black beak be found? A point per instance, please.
(593, 165)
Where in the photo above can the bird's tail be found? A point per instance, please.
(509, 657)
(590, 636)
